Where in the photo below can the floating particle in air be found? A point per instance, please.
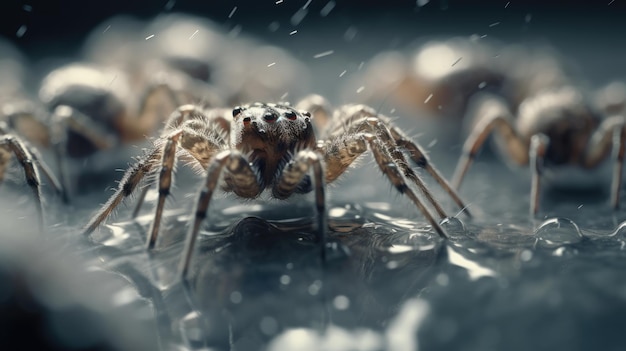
(299, 16)
(232, 12)
(327, 8)
(169, 5)
(273, 26)
(325, 53)
(21, 31)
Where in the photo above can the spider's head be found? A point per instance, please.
(271, 131)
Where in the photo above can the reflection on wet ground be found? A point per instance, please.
(388, 282)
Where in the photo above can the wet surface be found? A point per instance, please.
(504, 279)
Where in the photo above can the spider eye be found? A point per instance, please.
(270, 117)
(306, 113)
(237, 110)
(291, 115)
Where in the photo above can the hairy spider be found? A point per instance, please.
(558, 127)
(91, 108)
(12, 144)
(441, 76)
(273, 146)
(30, 160)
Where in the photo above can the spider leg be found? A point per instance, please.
(610, 134)
(538, 147)
(293, 174)
(127, 185)
(339, 153)
(493, 115)
(180, 115)
(198, 146)
(158, 99)
(360, 118)
(239, 167)
(12, 144)
(65, 118)
(47, 172)
(23, 119)
(393, 138)
(58, 188)
(165, 183)
(421, 159)
(619, 151)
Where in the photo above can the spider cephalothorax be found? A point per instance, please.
(273, 146)
(270, 134)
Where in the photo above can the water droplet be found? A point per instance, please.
(296, 339)
(555, 232)
(392, 264)
(341, 302)
(192, 329)
(453, 227)
(442, 279)
(285, 279)
(315, 288)
(235, 297)
(526, 255)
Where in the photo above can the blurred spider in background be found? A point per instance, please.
(440, 77)
(554, 128)
(273, 146)
(12, 143)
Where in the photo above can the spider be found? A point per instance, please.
(12, 144)
(90, 110)
(272, 146)
(240, 70)
(557, 127)
(30, 160)
(441, 75)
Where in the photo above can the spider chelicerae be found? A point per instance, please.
(274, 147)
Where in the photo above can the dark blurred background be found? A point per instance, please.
(588, 32)
(57, 24)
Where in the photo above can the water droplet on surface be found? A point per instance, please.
(526, 255)
(556, 232)
(453, 227)
(296, 339)
(392, 264)
(341, 302)
(620, 232)
(192, 329)
(442, 279)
